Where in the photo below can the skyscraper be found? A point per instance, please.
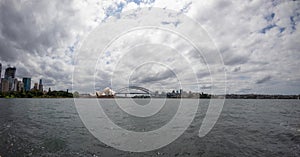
(27, 83)
(15, 86)
(41, 85)
(10, 72)
(4, 85)
(9, 76)
(0, 77)
(35, 87)
(0, 70)
(20, 86)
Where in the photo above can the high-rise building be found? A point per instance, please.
(4, 85)
(10, 72)
(10, 83)
(0, 77)
(35, 87)
(20, 86)
(0, 70)
(41, 85)
(27, 84)
(15, 85)
(9, 77)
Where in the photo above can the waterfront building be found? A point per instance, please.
(20, 86)
(4, 85)
(41, 86)
(9, 76)
(27, 83)
(10, 83)
(0, 70)
(35, 87)
(10, 72)
(15, 86)
(106, 93)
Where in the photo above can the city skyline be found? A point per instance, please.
(10, 83)
(259, 46)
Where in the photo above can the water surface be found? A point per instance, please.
(52, 127)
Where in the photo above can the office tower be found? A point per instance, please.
(0, 70)
(0, 77)
(27, 84)
(41, 86)
(4, 85)
(15, 86)
(35, 87)
(10, 83)
(9, 76)
(20, 86)
(10, 72)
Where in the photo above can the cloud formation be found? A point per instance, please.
(258, 40)
(263, 80)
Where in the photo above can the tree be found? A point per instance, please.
(76, 94)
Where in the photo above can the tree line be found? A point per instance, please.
(36, 94)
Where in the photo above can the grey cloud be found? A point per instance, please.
(35, 36)
(147, 77)
(8, 53)
(161, 76)
(175, 23)
(49, 82)
(263, 80)
(203, 74)
(23, 72)
(235, 59)
(237, 69)
(237, 34)
(34, 26)
(244, 90)
(206, 86)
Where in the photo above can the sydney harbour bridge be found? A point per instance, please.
(138, 91)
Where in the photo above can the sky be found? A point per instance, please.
(257, 40)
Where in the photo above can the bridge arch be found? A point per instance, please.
(121, 90)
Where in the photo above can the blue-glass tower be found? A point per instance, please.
(27, 83)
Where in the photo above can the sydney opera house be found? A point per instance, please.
(106, 93)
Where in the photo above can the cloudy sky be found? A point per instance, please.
(257, 40)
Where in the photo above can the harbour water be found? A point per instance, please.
(52, 127)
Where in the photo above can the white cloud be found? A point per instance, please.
(257, 39)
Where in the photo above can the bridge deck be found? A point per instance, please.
(132, 93)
